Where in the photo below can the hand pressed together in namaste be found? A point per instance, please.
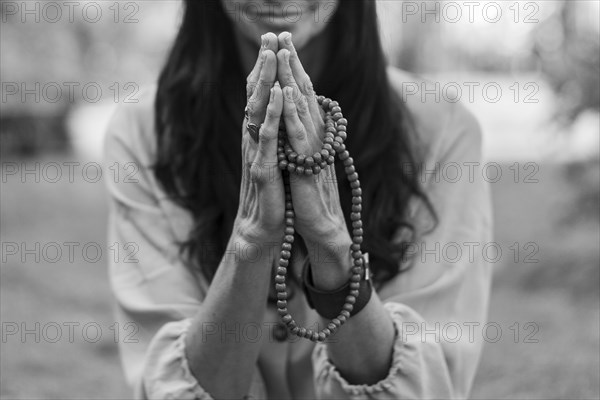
(280, 89)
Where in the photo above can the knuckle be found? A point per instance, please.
(250, 108)
(265, 135)
(250, 88)
(288, 77)
(302, 105)
(271, 113)
(307, 86)
(299, 134)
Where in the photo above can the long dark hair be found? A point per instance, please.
(199, 108)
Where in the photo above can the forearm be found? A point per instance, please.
(222, 362)
(362, 348)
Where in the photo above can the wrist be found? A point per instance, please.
(331, 259)
(252, 245)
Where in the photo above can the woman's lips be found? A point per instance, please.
(276, 19)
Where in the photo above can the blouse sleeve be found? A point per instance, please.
(156, 294)
(439, 304)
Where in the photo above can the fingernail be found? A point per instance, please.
(288, 39)
(272, 94)
(264, 41)
(277, 84)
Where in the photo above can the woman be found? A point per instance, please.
(207, 221)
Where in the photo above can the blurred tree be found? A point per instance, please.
(567, 48)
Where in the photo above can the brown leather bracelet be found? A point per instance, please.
(327, 303)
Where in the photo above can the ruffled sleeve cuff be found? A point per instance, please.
(332, 385)
(167, 374)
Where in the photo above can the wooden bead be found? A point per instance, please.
(301, 159)
(336, 109)
(289, 221)
(332, 327)
(289, 230)
(342, 319)
(280, 287)
(315, 337)
(317, 158)
(300, 170)
(286, 246)
(284, 263)
(309, 162)
(283, 164)
(357, 255)
(348, 162)
(358, 261)
(354, 285)
(341, 128)
(337, 322)
(342, 121)
(348, 307)
(281, 304)
(281, 157)
(357, 239)
(286, 318)
(337, 116)
(354, 293)
(355, 278)
(282, 296)
(291, 167)
(326, 331)
(283, 311)
(330, 159)
(323, 335)
(354, 247)
(355, 184)
(333, 103)
(344, 155)
(357, 270)
(279, 278)
(326, 103)
(324, 154)
(289, 238)
(285, 254)
(308, 171)
(345, 313)
(350, 170)
(357, 232)
(327, 147)
(355, 216)
(356, 207)
(357, 224)
(316, 169)
(357, 192)
(357, 200)
(350, 299)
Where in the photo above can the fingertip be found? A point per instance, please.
(270, 41)
(283, 55)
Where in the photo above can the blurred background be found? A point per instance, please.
(529, 70)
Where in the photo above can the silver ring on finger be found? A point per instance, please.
(253, 130)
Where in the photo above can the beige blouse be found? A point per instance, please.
(438, 306)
